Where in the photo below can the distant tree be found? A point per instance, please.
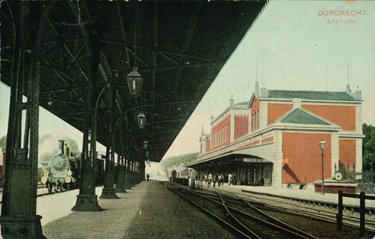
(368, 146)
(177, 161)
(3, 143)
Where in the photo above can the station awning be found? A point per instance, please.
(243, 155)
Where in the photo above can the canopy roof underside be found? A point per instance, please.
(178, 47)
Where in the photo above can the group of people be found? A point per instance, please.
(213, 179)
(220, 179)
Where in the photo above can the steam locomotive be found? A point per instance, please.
(64, 170)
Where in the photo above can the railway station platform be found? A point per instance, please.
(148, 210)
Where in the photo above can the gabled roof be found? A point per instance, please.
(311, 95)
(240, 105)
(299, 116)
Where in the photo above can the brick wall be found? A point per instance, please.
(344, 116)
(220, 133)
(241, 125)
(275, 111)
(347, 152)
(302, 153)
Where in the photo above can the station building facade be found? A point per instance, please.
(273, 139)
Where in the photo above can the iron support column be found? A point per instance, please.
(138, 171)
(142, 167)
(109, 191)
(87, 199)
(127, 173)
(120, 184)
(133, 174)
(18, 215)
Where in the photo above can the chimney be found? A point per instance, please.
(66, 150)
(61, 144)
(348, 89)
(231, 102)
(357, 94)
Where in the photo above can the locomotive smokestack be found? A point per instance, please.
(61, 144)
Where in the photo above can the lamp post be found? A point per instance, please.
(134, 80)
(322, 144)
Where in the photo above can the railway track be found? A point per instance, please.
(300, 218)
(240, 217)
(320, 212)
(308, 210)
(350, 208)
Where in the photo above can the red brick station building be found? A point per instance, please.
(274, 138)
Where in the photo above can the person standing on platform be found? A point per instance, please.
(148, 177)
(221, 180)
(209, 180)
(215, 178)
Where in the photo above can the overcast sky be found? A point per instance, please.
(293, 43)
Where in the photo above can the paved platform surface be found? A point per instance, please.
(149, 210)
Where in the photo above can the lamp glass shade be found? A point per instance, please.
(145, 144)
(141, 119)
(135, 81)
(322, 144)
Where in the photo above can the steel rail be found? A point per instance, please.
(306, 201)
(294, 234)
(351, 222)
(211, 214)
(323, 214)
(236, 219)
(304, 212)
(276, 226)
(279, 222)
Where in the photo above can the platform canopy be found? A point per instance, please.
(234, 156)
(178, 48)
